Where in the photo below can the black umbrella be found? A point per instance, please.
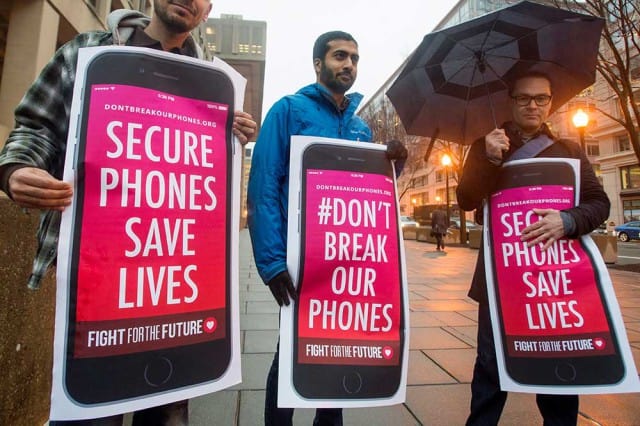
(456, 82)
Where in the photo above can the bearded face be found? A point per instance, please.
(339, 68)
(336, 81)
(181, 16)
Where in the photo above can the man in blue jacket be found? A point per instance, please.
(320, 109)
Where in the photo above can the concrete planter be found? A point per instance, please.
(608, 246)
(424, 234)
(409, 233)
(475, 237)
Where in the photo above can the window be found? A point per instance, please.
(439, 176)
(630, 177)
(631, 210)
(624, 144)
(593, 149)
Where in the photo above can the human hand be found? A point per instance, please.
(396, 150)
(548, 229)
(496, 144)
(243, 126)
(32, 187)
(282, 288)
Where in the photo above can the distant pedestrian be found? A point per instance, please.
(439, 226)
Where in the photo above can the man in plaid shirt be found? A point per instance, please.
(32, 160)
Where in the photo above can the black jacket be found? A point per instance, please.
(480, 176)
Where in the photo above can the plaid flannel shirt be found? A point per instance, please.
(39, 138)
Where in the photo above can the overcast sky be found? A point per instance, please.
(387, 32)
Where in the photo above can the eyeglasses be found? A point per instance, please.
(525, 100)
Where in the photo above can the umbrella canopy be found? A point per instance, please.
(456, 81)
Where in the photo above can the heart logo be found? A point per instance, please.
(387, 352)
(210, 325)
(599, 343)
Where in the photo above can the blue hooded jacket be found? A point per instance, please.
(311, 112)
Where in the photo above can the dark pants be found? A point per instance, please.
(439, 240)
(274, 416)
(174, 414)
(487, 400)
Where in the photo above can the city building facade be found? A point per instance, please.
(242, 44)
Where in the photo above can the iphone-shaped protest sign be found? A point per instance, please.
(555, 327)
(349, 318)
(149, 272)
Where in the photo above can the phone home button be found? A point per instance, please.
(158, 371)
(352, 382)
(565, 372)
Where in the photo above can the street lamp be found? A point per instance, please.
(446, 162)
(580, 120)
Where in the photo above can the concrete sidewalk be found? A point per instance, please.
(442, 351)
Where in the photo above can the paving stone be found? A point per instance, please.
(423, 371)
(217, 408)
(632, 314)
(472, 315)
(262, 296)
(263, 307)
(424, 319)
(467, 334)
(260, 341)
(446, 405)
(254, 371)
(629, 302)
(259, 322)
(456, 362)
(632, 325)
(455, 318)
(442, 305)
(397, 415)
(252, 410)
(442, 295)
(451, 287)
(434, 338)
(614, 409)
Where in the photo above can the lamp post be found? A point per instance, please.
(446, 162)
(580, 120)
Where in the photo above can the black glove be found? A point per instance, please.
(282, 288)
(396, 150)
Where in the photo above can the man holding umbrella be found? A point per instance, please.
(530, 100)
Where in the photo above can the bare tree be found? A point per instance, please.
(385, 125)
(416, 146)
(618, 58)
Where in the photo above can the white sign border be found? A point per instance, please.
(62, 406)
(630, 382)
(287, 396)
